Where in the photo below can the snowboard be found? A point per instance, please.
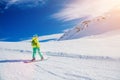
(30, 61)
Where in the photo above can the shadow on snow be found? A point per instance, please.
(12, 61)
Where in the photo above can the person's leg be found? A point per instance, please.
(40, 54)
(34, 53)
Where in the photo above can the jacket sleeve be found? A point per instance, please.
(38, 44)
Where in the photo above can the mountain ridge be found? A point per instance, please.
(98, 25)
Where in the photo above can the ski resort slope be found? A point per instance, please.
(89, 58)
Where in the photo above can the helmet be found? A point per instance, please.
(35, 35)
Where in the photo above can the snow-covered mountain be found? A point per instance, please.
(107, 22)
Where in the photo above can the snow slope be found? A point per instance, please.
(56, 68)
(95, 26)
(100, 45)
(89, 58)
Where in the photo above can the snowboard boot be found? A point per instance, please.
(42, 58)
(33, 59)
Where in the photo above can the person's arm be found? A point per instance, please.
(38, 43)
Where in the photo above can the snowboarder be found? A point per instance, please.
(36, 47)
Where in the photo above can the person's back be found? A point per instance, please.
(35, 42)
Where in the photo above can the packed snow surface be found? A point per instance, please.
(89, 58)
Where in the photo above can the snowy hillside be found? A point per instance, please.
(94, 26)
(89, 58)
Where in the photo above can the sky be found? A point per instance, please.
(21, 19)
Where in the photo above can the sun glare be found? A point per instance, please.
(78, 8)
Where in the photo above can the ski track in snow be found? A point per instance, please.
(61, 54)
(12, 67)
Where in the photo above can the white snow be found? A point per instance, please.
(90, 58)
